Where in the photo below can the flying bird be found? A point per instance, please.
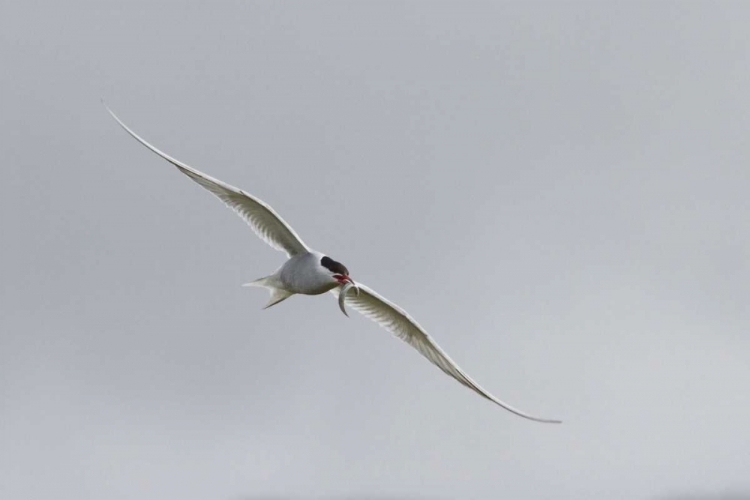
(309, 272)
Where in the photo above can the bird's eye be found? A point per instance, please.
(333, 266)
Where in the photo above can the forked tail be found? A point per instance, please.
(277, 294)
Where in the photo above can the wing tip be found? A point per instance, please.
(104, 103)
(548, 421)
(120, 122)
(536, 419)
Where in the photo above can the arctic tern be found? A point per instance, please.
(310, 272)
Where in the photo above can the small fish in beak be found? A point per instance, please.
(342, 295)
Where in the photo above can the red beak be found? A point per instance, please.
(343, 279)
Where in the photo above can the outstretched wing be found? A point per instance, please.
(261, 217)
(399, 323)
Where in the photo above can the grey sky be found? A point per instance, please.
(557, 192)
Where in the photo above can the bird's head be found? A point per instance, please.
(338, 271)
(340, 274)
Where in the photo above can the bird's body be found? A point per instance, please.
(309, 272)
(303, 274)
(300, 274)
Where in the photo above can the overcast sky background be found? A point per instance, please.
(558, 192)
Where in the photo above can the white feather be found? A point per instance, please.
(399, 323)
(260, 216)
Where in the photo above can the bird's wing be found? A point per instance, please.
(261, 217)
(399, 323)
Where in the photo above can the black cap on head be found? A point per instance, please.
(333, 266)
